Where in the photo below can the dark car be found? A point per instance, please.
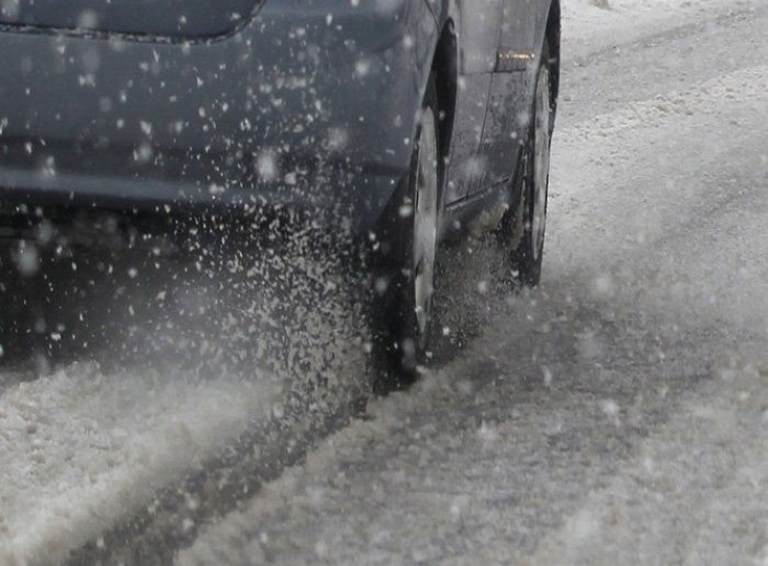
(399, 121)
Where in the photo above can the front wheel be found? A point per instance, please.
(524, 224)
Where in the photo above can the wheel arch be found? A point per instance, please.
(444, 69)
(553, 39)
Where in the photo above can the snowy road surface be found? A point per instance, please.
(616, 415)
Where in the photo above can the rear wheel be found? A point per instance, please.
(420, 256)
(524, 225)
(407, 313)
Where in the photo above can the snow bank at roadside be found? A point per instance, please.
(593, 25)
(79, 449)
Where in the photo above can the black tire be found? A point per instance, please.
(403, 312)
(523, 226)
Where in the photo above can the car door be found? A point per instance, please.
(509, 103)
(478, 33)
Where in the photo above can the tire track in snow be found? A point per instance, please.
(172, 521)
(589, 29)
(79, 448)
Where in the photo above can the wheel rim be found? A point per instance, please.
(543, 112)
(425, 223)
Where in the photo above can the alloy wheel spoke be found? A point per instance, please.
(425, 224)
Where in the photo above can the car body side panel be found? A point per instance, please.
(509, 108)
(506, 126)
(466, 164)
(478, 34)
(308, 103)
